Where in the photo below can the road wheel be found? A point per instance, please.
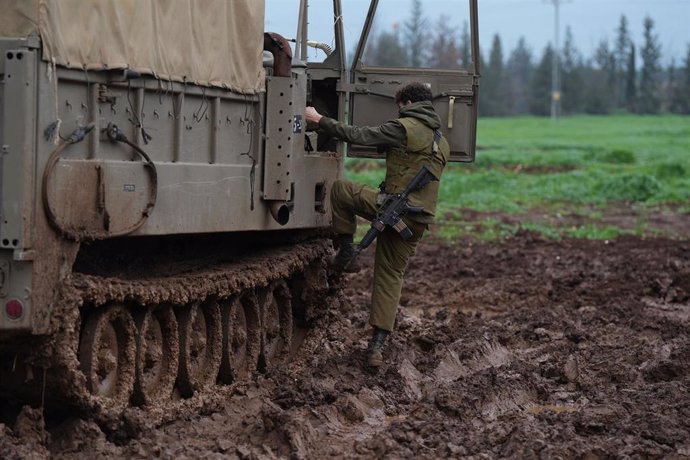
(106, 355)
(200, 346)
(157, 355)
(241, 337)
(277, 324)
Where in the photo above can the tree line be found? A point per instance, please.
(621, 75)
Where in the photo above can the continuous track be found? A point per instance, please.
(167, 342)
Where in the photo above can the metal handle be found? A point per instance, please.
(451, 111)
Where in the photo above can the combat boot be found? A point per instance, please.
(378, 339)
(344, 260)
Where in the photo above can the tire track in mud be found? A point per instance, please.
(519, 349)
(530, 347)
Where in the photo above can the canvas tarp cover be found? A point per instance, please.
(208, 42)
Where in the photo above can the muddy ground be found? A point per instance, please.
(527, 348)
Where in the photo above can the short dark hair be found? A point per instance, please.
(413, 92)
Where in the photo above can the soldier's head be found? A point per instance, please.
(413, 92)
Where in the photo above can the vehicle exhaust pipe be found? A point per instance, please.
(280, 211)
(279, 47)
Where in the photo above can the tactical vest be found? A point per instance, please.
(403, 163)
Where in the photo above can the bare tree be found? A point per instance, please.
(444, 48)
(465, 47)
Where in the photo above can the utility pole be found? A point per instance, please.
(555, 63)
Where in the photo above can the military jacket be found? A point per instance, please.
(403, 163)
(408, 141)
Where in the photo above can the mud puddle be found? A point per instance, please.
(522, 348)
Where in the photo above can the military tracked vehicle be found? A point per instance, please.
(164, 206)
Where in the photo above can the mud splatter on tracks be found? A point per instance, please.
(525, 348)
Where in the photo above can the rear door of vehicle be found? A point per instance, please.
(434, 42)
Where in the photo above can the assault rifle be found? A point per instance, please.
(394, 207)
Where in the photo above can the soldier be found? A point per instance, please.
(410, 142)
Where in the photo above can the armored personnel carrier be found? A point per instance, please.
(164, 209)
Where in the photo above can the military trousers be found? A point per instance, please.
(349, 200)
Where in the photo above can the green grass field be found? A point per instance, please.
(585, 176)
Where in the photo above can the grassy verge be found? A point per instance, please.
(529, 171)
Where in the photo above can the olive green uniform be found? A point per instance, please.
(409, 146)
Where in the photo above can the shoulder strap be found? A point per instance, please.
(437, 139)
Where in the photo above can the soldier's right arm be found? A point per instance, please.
(390, 134)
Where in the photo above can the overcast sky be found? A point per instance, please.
(590, 20)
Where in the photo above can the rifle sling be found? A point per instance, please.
(437, 139)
